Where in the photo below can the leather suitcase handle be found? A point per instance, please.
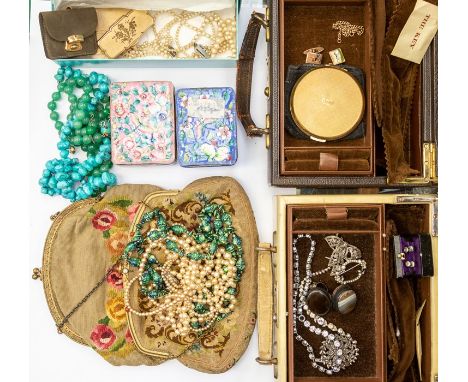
(265, 305)
(245, 72)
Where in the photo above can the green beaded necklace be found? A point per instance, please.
(214, 233)
(87, 127)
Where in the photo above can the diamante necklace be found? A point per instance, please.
(338, 349)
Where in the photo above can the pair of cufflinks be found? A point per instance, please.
(315, 56)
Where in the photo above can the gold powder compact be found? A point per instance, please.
(327, 103)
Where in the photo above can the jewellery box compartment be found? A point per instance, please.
(226, 9)
(384, 320)
(307, 24)
(361, 228)
(399, 146)
(406, 295)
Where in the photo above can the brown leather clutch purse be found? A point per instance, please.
(69, 33)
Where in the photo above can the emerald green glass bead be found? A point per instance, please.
(58, 125)
(97, 138)
(90, 130)
(92, 149)
(80, 82)
(52, 105)
(76, 140)
(79, 114)
(77, 124)
(81, 105)
(86, 140)
(54, 116)
(72, 98)
(56, 96)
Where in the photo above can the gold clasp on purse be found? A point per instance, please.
(73, 43)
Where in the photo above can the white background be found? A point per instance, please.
(30, 349)
(55, 357)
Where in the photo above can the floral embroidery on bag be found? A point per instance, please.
(111, 335)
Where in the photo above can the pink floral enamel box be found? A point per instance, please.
(142, 122)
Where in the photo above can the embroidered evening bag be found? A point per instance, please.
(85, 285)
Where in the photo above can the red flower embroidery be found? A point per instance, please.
(102, 336)
(115, 279)
(103, 220)
(128, 336)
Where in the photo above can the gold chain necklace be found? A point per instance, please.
(213, 37)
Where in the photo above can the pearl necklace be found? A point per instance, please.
(213, 37)
(338, 349)
(190, 280)
(88, 127)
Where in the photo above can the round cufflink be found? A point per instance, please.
(344, 299)
(319, 300)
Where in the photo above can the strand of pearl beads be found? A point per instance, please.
(87, 126)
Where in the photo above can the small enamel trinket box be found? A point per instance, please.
(142, 122)
(206, 127)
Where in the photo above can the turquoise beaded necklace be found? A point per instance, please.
(87, 127)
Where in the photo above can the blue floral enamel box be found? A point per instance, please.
(206, 127)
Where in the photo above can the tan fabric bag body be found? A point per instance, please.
(87, 238)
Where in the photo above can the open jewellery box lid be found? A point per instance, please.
(88, 237)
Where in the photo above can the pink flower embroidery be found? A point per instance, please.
(132, 211)
(103, 220)
(114, 278)
(102, 336)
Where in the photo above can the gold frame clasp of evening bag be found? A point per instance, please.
(74, 43)
(265, 304)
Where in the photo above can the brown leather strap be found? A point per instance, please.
(244, 75)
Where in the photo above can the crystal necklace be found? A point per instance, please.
(338, 349)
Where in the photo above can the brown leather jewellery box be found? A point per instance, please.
(394, 322)
(398, 146)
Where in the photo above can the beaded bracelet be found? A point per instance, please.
(88, 127)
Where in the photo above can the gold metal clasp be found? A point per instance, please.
(270, 361)
(267, 131)
(37, 274)
(264, 20)
(429, 172)
(54, 216)
(266, 247)
(74, 43)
